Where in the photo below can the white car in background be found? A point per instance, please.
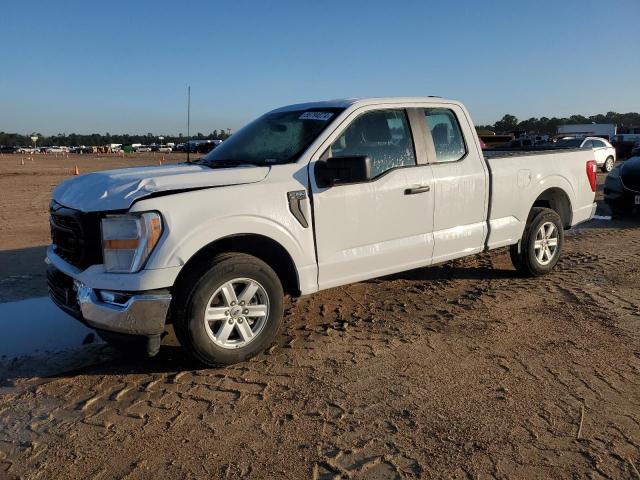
(56, 149)
(605, 153)
(26, 150)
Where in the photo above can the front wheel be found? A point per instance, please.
(608, 165)
(231, 312)
(541, 244)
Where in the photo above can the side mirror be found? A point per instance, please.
(343, 170)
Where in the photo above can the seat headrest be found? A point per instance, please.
(375, 128)
(440, 134)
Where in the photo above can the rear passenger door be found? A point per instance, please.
(460, 181)
(383, 226)
(600, 151)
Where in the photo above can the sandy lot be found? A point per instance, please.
(25, 191)
(458, 371)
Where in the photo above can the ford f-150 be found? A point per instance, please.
(307, 197)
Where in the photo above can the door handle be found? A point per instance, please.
(415, 190)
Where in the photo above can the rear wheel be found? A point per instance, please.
(541, 244)
(608, 165)
(231, 312)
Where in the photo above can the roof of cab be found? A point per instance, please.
(348, 102)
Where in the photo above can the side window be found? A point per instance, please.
(588, 144)
(383, 135)
(446, 134)
(598, 144)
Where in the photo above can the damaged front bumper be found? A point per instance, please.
(139, 314)
(130, 313)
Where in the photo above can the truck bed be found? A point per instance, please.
(519, 179)
(529, 151)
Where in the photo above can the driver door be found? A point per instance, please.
(382, 226)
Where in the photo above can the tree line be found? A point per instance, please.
(549, 126)
(97, 139)
(508, 123)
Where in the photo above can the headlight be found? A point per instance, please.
(128, 240)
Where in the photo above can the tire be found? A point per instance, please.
(608, 165)
(226, 289)
(535, 255)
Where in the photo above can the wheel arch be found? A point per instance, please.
(557, 200)
(262, 247)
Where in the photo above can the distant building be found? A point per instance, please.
(604, 130)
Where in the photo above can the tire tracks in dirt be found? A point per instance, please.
(461, 370)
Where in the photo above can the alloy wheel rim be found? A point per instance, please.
(236, 313)
(609, 165)
(546, 243)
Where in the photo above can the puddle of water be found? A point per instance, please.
(36, 326)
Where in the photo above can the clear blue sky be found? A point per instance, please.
(123, 66)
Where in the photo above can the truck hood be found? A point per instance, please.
(119, 189)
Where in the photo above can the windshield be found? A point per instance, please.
(570, 142)
(274, 138)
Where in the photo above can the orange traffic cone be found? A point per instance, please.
(76, 171)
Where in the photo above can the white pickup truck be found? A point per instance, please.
(307, 197)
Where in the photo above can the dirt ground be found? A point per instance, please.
(463, 370)
(25, 191)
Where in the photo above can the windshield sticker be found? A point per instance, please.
(322, 116)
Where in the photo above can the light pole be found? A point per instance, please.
(160, 138)
(34, 139)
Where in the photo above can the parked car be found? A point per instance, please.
(26, 150)
(192, 145)
(7, 149)
(516, 144)
(305, 198)
(605, 153)
(160, 148)
(625, 143)
(491, 140)
(55, 149)
(622, 187)
(142, 148)
(207, 145)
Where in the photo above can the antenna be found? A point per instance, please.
(188, 123)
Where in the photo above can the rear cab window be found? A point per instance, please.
(446, 134)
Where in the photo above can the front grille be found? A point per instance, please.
(62, 291)
(631, 181)
(75, 235)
